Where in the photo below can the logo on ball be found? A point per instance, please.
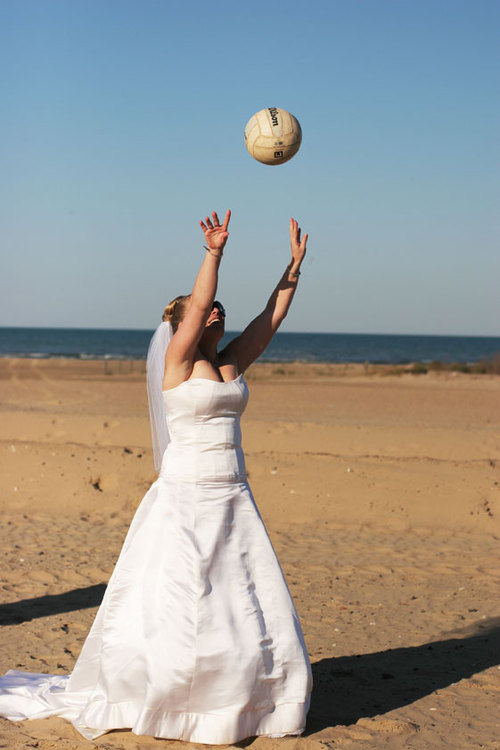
(274, 116)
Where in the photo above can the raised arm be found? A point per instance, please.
(182, 348)
(249, 345)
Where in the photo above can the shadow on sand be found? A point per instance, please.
(44, 606)
(346, 688)
(350, 687)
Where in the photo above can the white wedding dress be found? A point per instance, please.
(197, 637)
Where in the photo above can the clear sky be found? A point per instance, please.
(122, 125)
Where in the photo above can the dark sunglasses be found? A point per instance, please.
(220, 308)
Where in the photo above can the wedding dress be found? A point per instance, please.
(197, 637)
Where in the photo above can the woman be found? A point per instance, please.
(197, 637)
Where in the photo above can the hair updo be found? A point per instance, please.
(174, 311)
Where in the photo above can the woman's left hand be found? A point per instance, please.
(297, 244)
(216, 234)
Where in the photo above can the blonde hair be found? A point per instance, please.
(174, 311)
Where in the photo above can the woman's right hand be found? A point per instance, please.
(216, 234)
(298, 244)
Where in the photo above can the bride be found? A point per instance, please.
(197, 637)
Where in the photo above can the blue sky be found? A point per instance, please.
(122, 125)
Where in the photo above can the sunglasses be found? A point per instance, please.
(220, 308)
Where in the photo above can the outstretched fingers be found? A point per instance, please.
(225, 223)
(296, 235)
(294, 231)
(214, 223)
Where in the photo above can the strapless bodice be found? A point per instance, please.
(203, 418)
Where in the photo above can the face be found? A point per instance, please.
(217, 315)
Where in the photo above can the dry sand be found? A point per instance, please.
(382, 498)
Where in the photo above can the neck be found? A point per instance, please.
(209, 350)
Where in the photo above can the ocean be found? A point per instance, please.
(94, 343)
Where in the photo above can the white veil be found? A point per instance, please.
(155, 368)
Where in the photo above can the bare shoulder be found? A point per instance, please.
(245, 348)
(175, 374)
(229, 355)
(228, 360)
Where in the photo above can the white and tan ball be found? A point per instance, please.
(273, 136)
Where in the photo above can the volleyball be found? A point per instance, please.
(273, 136)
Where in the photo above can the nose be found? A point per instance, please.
(217, 306)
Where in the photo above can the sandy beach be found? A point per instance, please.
(381, 494)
